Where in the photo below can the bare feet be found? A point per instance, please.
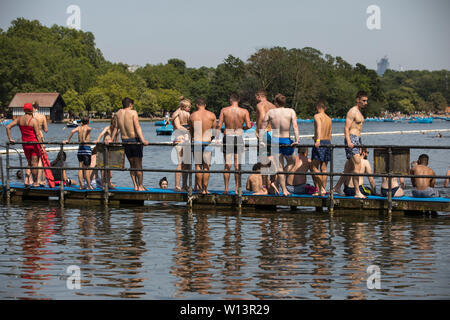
(142, 188)
(178, 189)
(360, 196)
(338, 191)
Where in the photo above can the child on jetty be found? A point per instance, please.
(84, 151)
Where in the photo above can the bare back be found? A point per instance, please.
(302, 164)
(261, 109)
(423, 183)
(322, 126)
(84, 133)
(42, 121)
(234, 118)
(125, 123)
(281, 120)
(201, 122)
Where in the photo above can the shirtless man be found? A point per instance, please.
(397, 190)
(321, 155)
(423, 187)
(180, 120)
(84, 153)
(352, 131)
(264, 142)
(202, 125)
(43, 126)
(255, 181)
(234, 118)
(297, 183)
(281, 120)
(349, 188)
(131, 132)
(447, 180)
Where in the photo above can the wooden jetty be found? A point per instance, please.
(120, 196)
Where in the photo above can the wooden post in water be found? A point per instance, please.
(8, 191)
(61, 182)
(105, 181)
(331, 194)
(240, 187)
(3, 178)
(389, 197)
(189, 199)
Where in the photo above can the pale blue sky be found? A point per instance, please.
(414, 33)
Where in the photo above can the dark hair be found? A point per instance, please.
(60, 157)
(321, 104)
(261, 93)
(162, 180)
(36, 105)
(126, 102)
(85, 120)
(200, 102)
(361, 94)
(423, 159)
(235, 97)
(280, 100)
(257, 166)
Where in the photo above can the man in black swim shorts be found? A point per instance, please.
(131, 132)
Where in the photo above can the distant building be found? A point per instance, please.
(382, 66)
(51, 104)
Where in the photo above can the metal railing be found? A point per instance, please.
(105, 169)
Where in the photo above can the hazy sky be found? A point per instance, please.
(414, 34)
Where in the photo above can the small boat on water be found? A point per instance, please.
(73, 124)
(337, 120)
(5, 122)
(305, 120)
(165, 130)
(160, 123)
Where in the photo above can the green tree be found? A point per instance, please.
(74, 102)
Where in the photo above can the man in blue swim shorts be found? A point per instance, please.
(321, 155)
(282, 119)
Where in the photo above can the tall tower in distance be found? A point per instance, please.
(382, 66)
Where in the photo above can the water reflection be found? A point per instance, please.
(146, 253)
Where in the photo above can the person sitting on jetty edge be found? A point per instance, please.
(84, 153)
(163, 183)
(296, 183)
(423, 187)
(60, 162)
(131, 132)
(365, 167)
(255, 181)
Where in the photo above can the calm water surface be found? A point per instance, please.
(161, 251)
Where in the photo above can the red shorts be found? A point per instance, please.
(31, 150)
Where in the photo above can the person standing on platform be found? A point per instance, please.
(321, 155)
(29, 127)
(352, 130)
(234, 118)
(84, 153)
(180, 120)
(131, 132)
(282, 119)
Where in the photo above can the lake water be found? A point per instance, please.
(160, 251)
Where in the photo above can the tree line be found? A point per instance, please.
(36, 58)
